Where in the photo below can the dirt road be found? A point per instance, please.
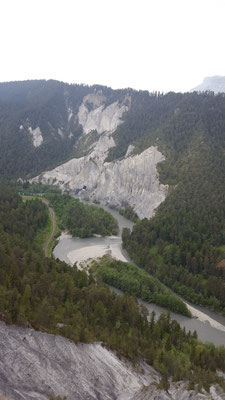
(52, 215)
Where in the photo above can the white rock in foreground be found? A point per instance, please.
(178, 391)
(35, 365)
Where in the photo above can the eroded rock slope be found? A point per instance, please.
(131, 181)
(35, 366)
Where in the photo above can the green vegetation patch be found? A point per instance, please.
(129, 213)
(82, 220)
(133, 281)
(44, 233)
(222, 248)
(188, 228)
(50, 296)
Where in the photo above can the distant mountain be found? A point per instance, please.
(215, 84)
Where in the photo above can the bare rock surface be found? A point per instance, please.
(35, 365)
(177, 391)
(132, 181)
(100, 118)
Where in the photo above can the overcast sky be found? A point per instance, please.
(144, 44)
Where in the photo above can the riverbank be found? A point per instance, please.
(207, 326)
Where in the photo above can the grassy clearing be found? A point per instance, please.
(44, 233)
(222, 247)
(153, 250)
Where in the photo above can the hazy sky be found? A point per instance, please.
(145, 44)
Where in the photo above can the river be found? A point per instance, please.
(209, 325)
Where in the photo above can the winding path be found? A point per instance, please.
(52, 215)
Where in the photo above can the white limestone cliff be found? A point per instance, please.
(36, 136)
(131, 181)
(36, 133)
(100, 118)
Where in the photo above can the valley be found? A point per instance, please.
(156, 157)
(210, 327)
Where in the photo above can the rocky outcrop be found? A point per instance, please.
(132, 181)
(35, 366)
(93, 115)
(36, 135)
(177, 391)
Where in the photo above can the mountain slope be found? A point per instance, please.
(39, 124)
(136, 149)
(52, 297)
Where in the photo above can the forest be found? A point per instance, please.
(28, 104)
(81, 220)
(183, 244)
(172, 121)
(135, 282)
(48, 295)
(129, 213)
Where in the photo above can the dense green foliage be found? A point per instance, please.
(82, 220)
(129, 213)
(22, 220)
(171, 121)
(26, 188)
(53, 107)
(51, 296)
(172, 248)
(42, 104)
(133, 281)
(181, 244)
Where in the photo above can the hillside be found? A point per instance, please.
(51, 297)
(159, 141)
(133, 149)
(159, 156)
(39, 124)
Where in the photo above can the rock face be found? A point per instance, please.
(36, 136)
(177, 391)
(35, 366)
(212, 83)
(132, 181)
(93, 115)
